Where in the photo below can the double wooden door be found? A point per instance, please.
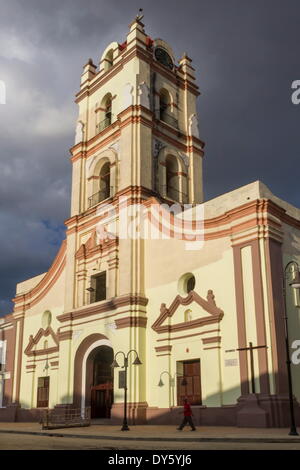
(192, 387)
(101, 400)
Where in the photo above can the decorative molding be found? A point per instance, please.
(259, 316)
(163, 348)
(158, 145)
(185, 159)
(105, 306)
(128, 54)
(96, 245)
(215, 339)
(35, 360)
(77, 334)
(113, 132)
(144, 95)
(79, 132)
(193, 126)
(115, 146)
(188, 336)
(131, 322)
(257, 214)
(274, 273)
(65, 335)
(209, 305)
(111, 325)
(106, 155)
(33, 341)
(127, 95)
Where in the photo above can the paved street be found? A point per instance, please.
(30, 436)
(35, 442)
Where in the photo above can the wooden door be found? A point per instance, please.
(101, 400)
(192, 389)
(43, 392)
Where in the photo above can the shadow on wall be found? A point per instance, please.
(250, 410)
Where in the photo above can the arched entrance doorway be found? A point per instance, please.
(92, 372)
(99, 381)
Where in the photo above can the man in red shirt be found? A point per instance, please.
(187, 416)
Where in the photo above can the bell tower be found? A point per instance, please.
(137, 126)
(136, 138)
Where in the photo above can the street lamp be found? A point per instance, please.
(171, 381)
(115, 364)
(292, 268)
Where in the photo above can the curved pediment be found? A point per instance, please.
(165, 322)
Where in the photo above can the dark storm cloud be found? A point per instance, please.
(245, 54)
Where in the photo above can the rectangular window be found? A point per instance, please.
(98, 284)
(189, 382)
(43, 392)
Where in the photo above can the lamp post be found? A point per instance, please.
(171, 381)
(295, 283)
(115, 364)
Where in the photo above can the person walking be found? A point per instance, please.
(187, 416)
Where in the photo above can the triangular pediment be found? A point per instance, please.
(44, 342)
(176, 316)
(99, 241)
(85, 248)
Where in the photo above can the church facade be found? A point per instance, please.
(197, 307)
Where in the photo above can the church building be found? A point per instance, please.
(196, 309)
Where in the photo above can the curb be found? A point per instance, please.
(273, 440)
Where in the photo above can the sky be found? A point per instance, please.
(246, 57)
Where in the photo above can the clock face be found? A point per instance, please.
(163, 57)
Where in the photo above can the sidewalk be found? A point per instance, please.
(158, 433)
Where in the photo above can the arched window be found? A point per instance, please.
(105, 181)
(165, 113)
(188, 315)
(101, 177)
(106, 112)
(164, 105)
(108, 61)
(172, 178)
